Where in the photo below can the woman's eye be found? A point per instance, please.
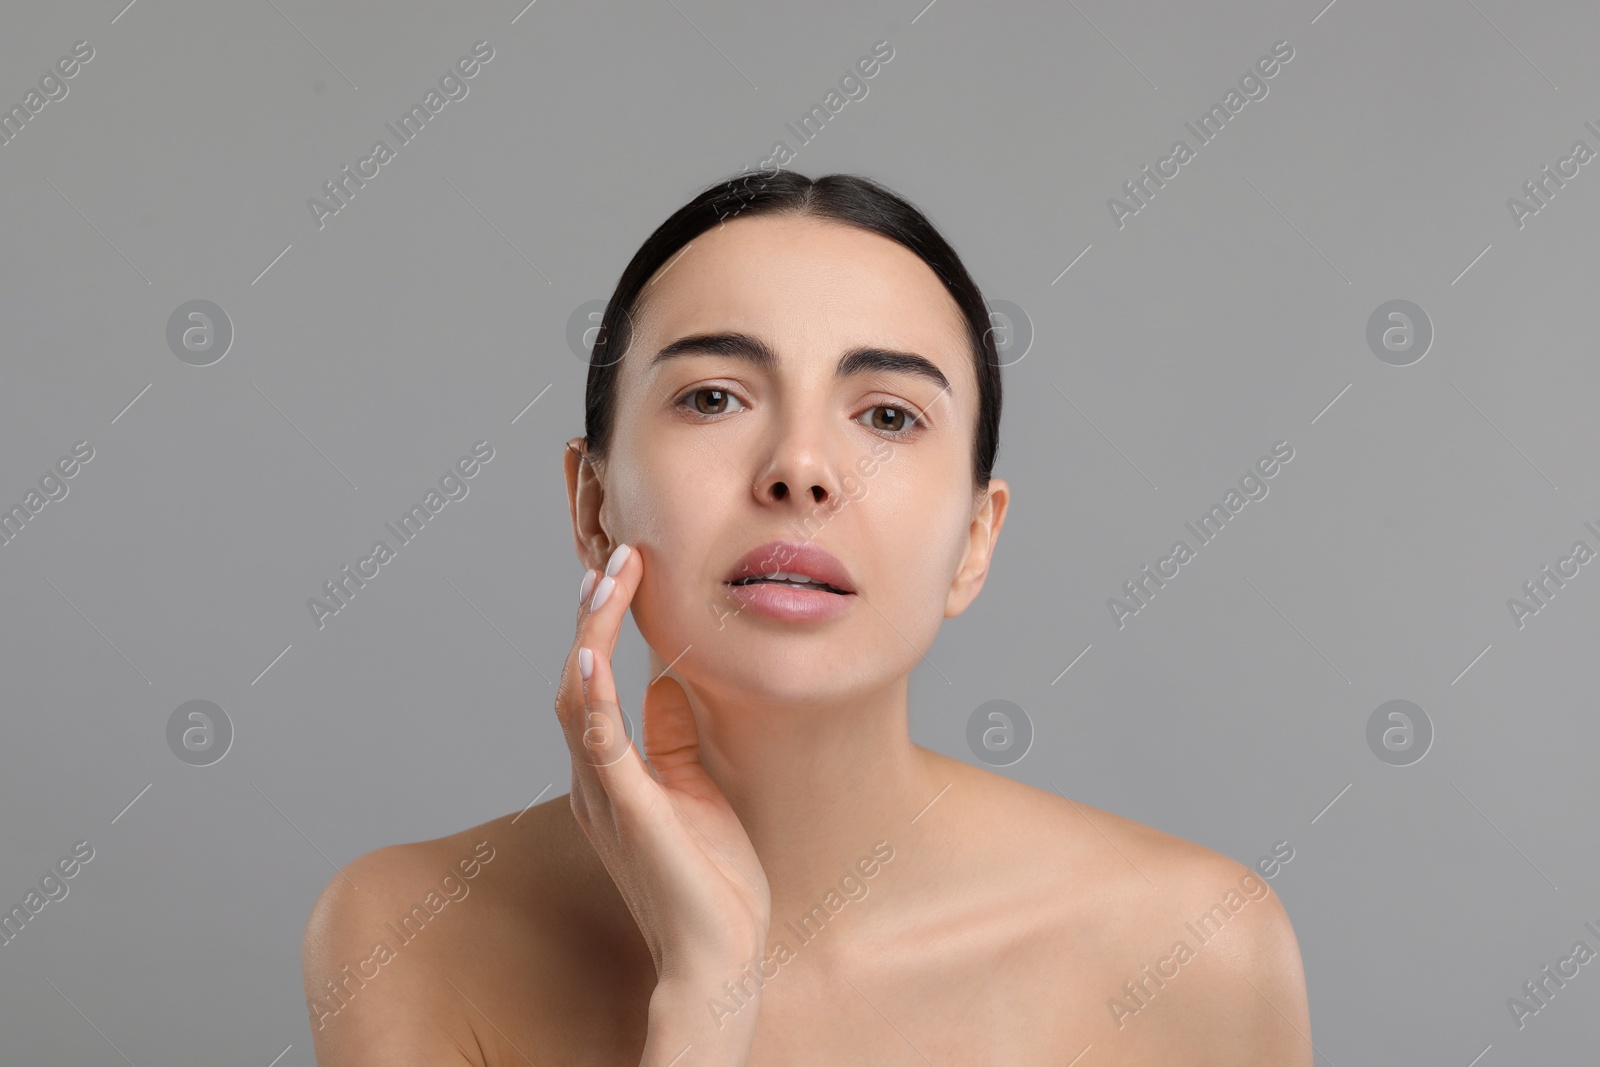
(715, 404)
(900, 420)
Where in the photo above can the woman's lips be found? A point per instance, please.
(791, 603)
(793, 557)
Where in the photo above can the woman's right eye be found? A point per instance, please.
(715, 397)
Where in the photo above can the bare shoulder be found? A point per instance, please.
(1184, 951)
(1046, 822)
(380, 943)
(482, 947)
(1229, 979)
(1206, 967)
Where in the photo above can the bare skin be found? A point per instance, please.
(1004, 925)
(956, 916)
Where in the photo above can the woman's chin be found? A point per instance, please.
(762, 682)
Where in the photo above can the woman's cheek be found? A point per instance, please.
(667, 617)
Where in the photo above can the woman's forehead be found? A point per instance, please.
(801, 282)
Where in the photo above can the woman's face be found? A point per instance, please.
(714, 454)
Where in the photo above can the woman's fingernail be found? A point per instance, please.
(602, 591)
(588, 584)
(618, 558)
(585, 662)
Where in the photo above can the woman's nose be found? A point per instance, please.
(800, 467)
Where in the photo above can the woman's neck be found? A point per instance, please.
(816, 786)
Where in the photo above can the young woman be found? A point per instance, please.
(793, 410)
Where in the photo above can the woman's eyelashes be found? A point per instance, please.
(909, 422)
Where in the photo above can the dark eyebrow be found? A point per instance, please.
(756, 352)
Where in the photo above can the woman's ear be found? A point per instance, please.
(584, 496)
(987, 519)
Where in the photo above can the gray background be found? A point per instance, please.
(1229, 314)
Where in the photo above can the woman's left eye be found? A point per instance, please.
(906, 421)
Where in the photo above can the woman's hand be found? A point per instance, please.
(663, 829)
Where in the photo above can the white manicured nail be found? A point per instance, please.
(618, 558)
(602, 591)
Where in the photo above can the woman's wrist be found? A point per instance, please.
(706, 1016)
